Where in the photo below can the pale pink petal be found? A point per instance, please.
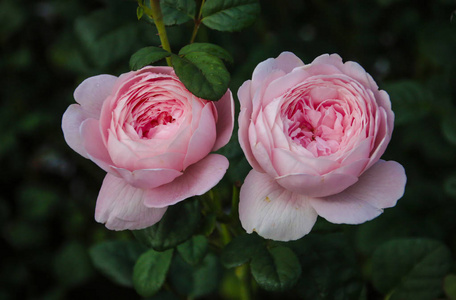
(243, 136)
(148, 178)
(383, 136)
(286, 62)
(225, 122)
(196, 180)
(357, 72)
(92, 92)
(272, 211)
(121, 154)
(203, 138)
(329, 59)
(121, 206)
(379, 187)
(71, 124)
(93, 143)
(244, 95)
(316, 186)
(282, 84)
(166, 160)
(287, 162)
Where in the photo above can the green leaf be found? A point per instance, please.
(331, 270)
(241, 250)
(147, 56)
(150, 271)
(116, 259)
(177, 225)
(176, 12)
(410, 100)
(276, 269)
(230, 15)
(196, 281)
(194, 249)
(207, 48)
(139, 12)
(410, 268)
(449, 286)
(209, 223)
(203, 74)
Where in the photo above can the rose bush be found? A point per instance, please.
(154, 139)
(314, 135)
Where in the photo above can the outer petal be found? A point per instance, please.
(93, 143)
(71, 124)
(148, 178)
(244, 94)
(317, 186)
(225, 122)
(92, 92)
(243, 136)
(379, 187)
(203, 139)
(273, 212)
(121, 206)
(196, 180)
(286, 62)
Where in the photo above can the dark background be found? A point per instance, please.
(48, 192)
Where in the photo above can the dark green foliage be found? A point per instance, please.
(194, 249)
(241, 250)
(150, 271)
(207, 48)
(203, 74)
(177, 225)
(146, 56)
(411, 268)
(116, 259)
(198, 280)
(176, 12)
(329, 268)
(276, 269)
(230, 15)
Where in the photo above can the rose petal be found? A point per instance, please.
(121, 206)
(196, 180)
(244, 95)
(379, 187)
(243, 136)
(286, 62)
(71, 123)
(148, 178)
(92, 92)
(273, 212)
(93, 143)
(317, 186)
(225, 122)
(202, 140)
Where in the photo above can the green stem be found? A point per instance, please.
(242, 273)
(225, 233)
(197, 23)
(158, 20)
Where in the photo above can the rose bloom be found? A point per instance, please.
(154, 139)
(314, 135)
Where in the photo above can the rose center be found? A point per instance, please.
(315, 123)
(149, 119)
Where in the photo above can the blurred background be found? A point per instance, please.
(48, 192)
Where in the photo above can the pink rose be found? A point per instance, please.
(154, 139)
(314, 135)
